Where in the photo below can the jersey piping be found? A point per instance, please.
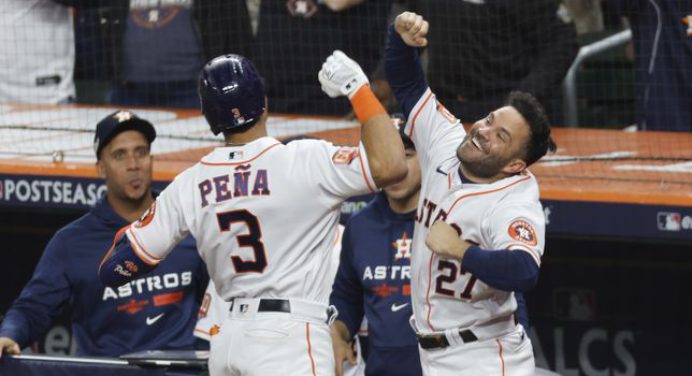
(241, 162)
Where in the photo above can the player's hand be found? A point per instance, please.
(444, 240)
(342, 348)
(340, 75)
(9, 346)
(412, 28)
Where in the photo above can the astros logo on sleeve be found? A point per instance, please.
(523, 231)
(345, 155)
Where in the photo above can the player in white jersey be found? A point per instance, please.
(463, 300)
(37, 52)
(265, 218)
(213, 310)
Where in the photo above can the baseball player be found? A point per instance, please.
(213, 310)
(156, 311)
(265, 217)
(462, 291)
(38, 52)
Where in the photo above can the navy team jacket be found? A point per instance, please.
(373, 280)
(157, 311)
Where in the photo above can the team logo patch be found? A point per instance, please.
(403, 247)
(522, 231)
(302, 8)
(131, 266)
(146, 218)
(214, 330)
(345, 155)
(153, 17)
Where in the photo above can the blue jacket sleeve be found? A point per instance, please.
(403, 71)
(122, 264)
(508, 270)
(42, 298)
(347, 291)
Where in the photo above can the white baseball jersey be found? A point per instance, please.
(264, 216)
(214, 310)
(503, 215)
(38, 53)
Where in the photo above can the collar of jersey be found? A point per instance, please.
(250, 151)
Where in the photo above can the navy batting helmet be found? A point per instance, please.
(232, 93)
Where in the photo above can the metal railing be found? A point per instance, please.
(569, 86)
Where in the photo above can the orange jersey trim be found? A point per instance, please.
(427, 293)
(502, 356)
(415, 117)
(486, 192)
(312, 360)
(202, 331)
(115, 239)
(241, 162)
(521, 247)
(139, 249)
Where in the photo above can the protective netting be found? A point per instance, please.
(59, 64)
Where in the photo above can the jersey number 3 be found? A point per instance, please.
(252, 239)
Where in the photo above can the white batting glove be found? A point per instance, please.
(340, 75)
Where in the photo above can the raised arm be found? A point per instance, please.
(342, 76)
(402, 63)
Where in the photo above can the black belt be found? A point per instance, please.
(439, 341)
(271, 305)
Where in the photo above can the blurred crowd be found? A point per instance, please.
(148, 53)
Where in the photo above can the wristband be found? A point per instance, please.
(366, 105)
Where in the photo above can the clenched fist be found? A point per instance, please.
(340, 75)
(412, 28)
(444, 240)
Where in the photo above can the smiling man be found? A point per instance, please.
(479, 233)
(157, 311)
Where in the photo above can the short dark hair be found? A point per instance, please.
(539, 142)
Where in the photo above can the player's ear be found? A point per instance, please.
(101, 169)
(514, 166)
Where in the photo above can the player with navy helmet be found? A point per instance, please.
(265, 217)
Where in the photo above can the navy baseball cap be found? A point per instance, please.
(118, 122)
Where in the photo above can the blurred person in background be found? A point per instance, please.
(662, 38)
(480, 51)
(38, 54)
(293, 37)
(157, 311)
(154, 50)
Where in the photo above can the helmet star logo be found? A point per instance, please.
(123, 116)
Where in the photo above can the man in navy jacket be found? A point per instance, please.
(157, 311)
